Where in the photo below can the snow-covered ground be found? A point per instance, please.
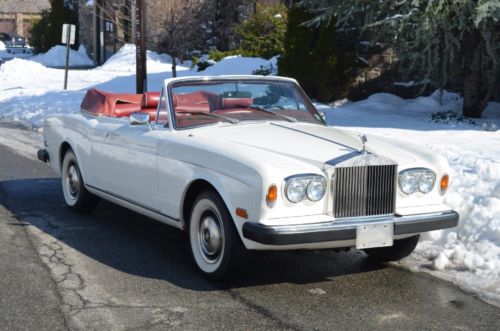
(468, 255)
(56, 57)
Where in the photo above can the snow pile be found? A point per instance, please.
(56, 57)
(20, 67)
(468, 255)
(124, 60)
(238, 65)
(474, 246)
(2, 46)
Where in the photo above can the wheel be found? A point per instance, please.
(399, 250)
(215, 244)
(75, 194)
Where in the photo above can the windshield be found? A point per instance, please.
(208, 102)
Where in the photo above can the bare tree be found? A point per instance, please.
(179, 26)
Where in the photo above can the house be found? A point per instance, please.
(16, 16)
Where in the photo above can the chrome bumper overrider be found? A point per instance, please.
(345, 229)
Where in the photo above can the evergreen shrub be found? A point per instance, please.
(314, 57)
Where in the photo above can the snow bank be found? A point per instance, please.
(468, 255)
(237, 65)
(56, 57)
(2, 46)
(124, 60)
(21, 67)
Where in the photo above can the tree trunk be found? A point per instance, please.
(472, 80)
(174, 67)
(472, 97)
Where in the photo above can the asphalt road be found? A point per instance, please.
(117, 270)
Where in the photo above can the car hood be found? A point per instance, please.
(310, 143)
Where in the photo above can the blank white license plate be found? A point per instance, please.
(374, 235)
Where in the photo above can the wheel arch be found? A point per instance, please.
(65, 146)
(193, 190)
(63, 149)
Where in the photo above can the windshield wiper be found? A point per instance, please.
(288, 118)
(228, 119)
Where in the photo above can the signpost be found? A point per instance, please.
(68, 38)
(140, 45)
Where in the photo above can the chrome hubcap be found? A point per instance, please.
(73, 181)
(210, 238)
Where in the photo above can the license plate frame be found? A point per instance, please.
(374, 235)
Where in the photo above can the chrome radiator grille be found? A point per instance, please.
(364, 191)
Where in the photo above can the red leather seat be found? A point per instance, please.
(125, 109)
(150, 100)
(236, 102)
(199, 101)
(151, 111)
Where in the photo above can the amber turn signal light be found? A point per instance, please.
(241, 212)
(272, 195)
(444, 184)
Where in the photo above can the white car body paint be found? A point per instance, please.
(149, 171)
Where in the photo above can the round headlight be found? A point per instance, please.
(426, 182)
(295, 190)
(408, 182)
(316, 188)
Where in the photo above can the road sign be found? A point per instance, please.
(68, 30)
(68, 38)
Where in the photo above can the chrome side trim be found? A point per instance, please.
(132, 202)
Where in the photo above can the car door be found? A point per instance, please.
(129, 164)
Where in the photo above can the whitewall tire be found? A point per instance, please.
(215, 244)
(75, 194)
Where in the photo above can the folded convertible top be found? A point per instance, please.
(119, 104)
(110, 104)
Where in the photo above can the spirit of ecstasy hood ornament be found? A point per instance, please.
(363, 140)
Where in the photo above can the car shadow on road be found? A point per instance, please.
(134, 244)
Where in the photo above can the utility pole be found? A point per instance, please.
(140, 44)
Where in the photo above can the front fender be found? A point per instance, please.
(235, 194)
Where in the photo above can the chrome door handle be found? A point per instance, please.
(111, 134)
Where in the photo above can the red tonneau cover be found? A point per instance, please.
(119, 104)
(110, 104)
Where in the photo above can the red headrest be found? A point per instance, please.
(150, 100)
(236, 102)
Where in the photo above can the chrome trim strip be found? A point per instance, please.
(138, 204)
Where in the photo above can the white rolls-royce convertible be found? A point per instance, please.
(246, 163)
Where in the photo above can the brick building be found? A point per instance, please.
(16, 15)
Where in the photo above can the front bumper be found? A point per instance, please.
(345, 229)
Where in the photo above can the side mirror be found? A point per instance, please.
(139, 119)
